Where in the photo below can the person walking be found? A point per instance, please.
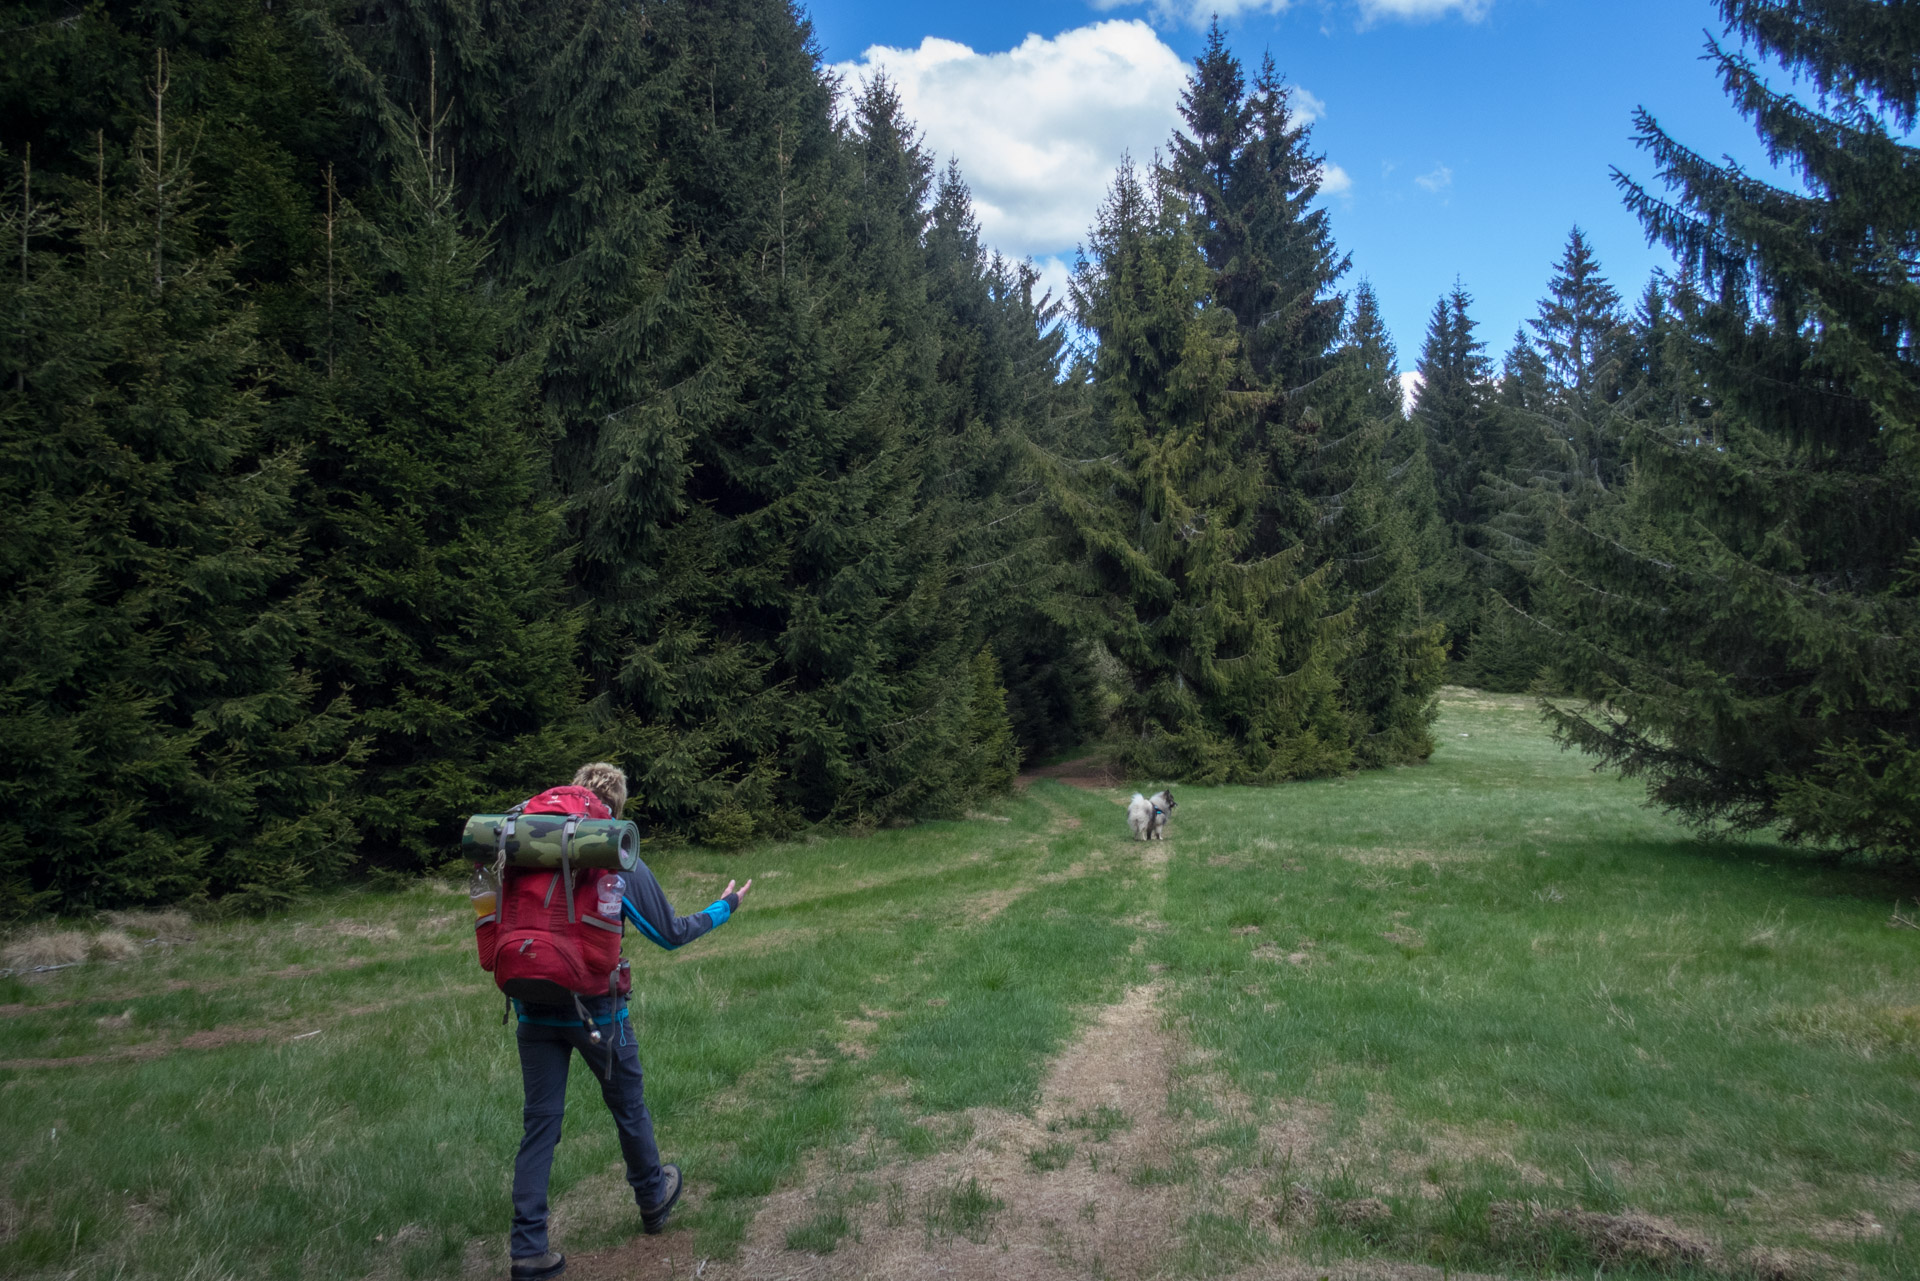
(547, 1037)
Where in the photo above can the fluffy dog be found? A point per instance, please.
(1147, 815)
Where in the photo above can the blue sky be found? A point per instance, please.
(1465, 137)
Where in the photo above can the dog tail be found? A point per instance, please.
(1138, 797)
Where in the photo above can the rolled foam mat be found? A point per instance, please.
(610, 843)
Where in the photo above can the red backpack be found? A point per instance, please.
(548, 940)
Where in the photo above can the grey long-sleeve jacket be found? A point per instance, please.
(647, 907)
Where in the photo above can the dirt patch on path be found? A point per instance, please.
(1066, 1193)
(668, 1255)
(212, 1038)
(1090, 773)
(19, 1009)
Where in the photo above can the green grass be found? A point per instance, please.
(1493, 979)
(1051, 1156)
(961, 1209)
(1100, 1125)
(387, 1139)
(1511, 981)
(821, 1234)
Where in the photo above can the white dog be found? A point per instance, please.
(1147, 815)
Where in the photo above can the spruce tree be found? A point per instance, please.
(1451, 411)
(1245, 163)
(1227, 677)
(160, 740)
(741, 382)
(951, 457)
(1001, 396)
(1383, 506)
(1561, 418)
(1747, 633)
(1246, 167)
(250, 98)
(1525, 460)
(1451, 407)
(430, 527)
(1583, 339)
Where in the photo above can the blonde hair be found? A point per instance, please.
(605, 780)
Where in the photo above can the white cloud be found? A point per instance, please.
(1055, 272)
(1039, 129)
(1423, 10)
(1307, 105)
(1410, 383)
(1437, 181)
(1198, 13)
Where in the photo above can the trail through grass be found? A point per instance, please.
(1432, 1014)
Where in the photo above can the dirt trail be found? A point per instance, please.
(213, 1038)
(1081, 1190)
(1100, 1126)
(1072, 1191)
(19, 1009)
(1089, 773)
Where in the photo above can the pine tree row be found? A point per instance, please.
(1699, 523)
(406, 402)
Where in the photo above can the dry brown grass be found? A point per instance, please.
(1865, 1027)
(169, 923)
(1077, 1214)
(53, 945)
(1618, 1240)
(371, 931)
(982, 908)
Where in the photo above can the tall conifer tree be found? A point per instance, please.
(1451, 411)
(1383, 504)
(1748, 634)
(160, 740)
(1229, 675)
(1584, 340)
(1246, 165)
(1001, 396)
(1560, 423)
(741, 380)
(431, 530)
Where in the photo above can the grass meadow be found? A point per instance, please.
(1488, 1014)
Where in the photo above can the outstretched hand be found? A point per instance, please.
(741, 893)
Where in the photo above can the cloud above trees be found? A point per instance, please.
(1417, 10)
(1039, 129)
(1198, 13)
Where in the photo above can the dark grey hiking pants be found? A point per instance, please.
(548, 1036)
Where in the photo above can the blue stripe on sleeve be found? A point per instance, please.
(719, 912)
(642, 924)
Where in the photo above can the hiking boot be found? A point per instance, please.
(654, 1217)
(538, 1267)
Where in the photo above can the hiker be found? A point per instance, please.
(598, 1027)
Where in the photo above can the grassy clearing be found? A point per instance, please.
(1489, 1013)
(333, 1093)
(1500, 981)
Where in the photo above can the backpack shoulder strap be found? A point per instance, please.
(566, 860)
(500, 836)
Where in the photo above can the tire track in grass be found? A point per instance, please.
(219, 1037)
(901, 942)
(1055, 1166)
